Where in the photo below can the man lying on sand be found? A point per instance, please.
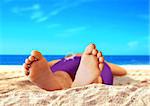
(70, 72)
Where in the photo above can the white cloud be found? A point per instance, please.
(57, 11)
(42, 19)
(67, 4)
(38, 15)
(60, 7)
(34, 7)
(133, 44)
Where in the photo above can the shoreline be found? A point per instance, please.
(127, 67)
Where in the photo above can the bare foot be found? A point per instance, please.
(38, 71)
(90, 67)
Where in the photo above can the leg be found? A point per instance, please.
(116, 70)
(51, 63)
(91, 65)
(38, 71)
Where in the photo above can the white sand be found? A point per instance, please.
(130, 90)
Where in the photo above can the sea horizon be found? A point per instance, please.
(116, 59)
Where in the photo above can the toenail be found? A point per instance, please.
(28, 66)
(35, 59)
(28, 62)
(101, 60)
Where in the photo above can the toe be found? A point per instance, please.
(101, 66)
(26, 72)
(99, 54)
(37, 55)
(101, 59)
(89, 49)
(27, 61)
(26, 66)
(26, 69)
(31, 58)
(94, 52)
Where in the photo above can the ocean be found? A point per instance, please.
(120, 59)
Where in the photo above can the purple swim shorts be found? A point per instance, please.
(71, 66)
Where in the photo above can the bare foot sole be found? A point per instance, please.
(90, 67)
(38, 71)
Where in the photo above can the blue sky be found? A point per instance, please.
(117, 27)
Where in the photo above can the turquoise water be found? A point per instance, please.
(121, 60)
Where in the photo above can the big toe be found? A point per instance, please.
(36, 54)
(94, 52)
(89, 49)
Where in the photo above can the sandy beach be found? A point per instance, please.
(130, 90)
